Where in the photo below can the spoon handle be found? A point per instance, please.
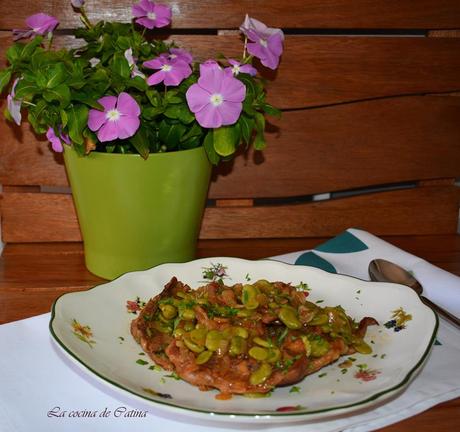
(441, 311)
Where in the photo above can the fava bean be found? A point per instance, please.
(250, 297)
(362, 347)
(261, 375)
(241, 331)
(289, 318)
(274, 354)
(258, 353)
(213, 339)
(319, 320)
(168, 311)
(237, 346)
(192, 346)
(262, 342)
(198, 335)
(203, 357)
(188, 314)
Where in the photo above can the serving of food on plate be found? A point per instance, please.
(244, 338)
(271, 342)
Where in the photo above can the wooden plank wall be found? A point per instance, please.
(367, 90)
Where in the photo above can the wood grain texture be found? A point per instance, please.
(336, 148)
(230, 13)
(318, 71)
(32, 217)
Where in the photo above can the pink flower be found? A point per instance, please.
(56, 141)
(14, 105)
(39, 24)
(266, 43)
(180, 54)
(150, 14)
(237, 68)
(171, 72)
(209, 64)
(216, 99)
(119, 120)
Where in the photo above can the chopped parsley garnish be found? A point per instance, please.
(294, 389)
(141, 362)
(319, 301)
(322, 375)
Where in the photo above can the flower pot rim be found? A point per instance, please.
(95, 153)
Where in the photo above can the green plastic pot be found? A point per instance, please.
(135, 213)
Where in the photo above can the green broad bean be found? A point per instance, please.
(188, 326)
(213, 339)
(203, 357)
(237, 346)
(319, 346)
(249, 297)
(362, 347)
(264, 285)
(244, 313)
(198, 335)
(240, 331)
(179, 332)
(319, 320)
(260, 375)
(161, 327)
(288, 316)
(306, 344)
(192, 346)
(188, 314)
(274, 354)
(168, 311)
(262, 342)
(258, 353)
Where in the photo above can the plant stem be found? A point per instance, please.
(244, 48)
(84, 18)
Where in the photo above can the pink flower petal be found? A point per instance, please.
(54, 140)
(233, 89)
(109, 131)
(108, 102)
(96, 119)
(156, 78)
(127, 105)
(138, 11)
(197, 98)
(155, 63)
(230, 112)
(209, 117)
(146, 22)
(128, 126)
(211, 79)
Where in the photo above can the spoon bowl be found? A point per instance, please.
(381, 270)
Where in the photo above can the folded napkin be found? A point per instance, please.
(42, 390)
(350, 253)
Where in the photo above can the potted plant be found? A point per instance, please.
(140, 124)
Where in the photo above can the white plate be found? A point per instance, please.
(92, 328)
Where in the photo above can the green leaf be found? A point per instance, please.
(140, 141)
(5, 76)
(170, 134)
(123, 42)
(87, 100)
(259, 141)
(138, 83)
(26, 89)
(56, 75)
(64, 119)
(78, 118)
(208, 145)
(120, 66)
(13, 53)
(61, 93)
(151, 112)
(154, 97)
(194, 131)
(225, 140)
(260, 122)
(271, 110)
(247, 126)
(29, 49)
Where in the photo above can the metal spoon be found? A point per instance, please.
(381, 270)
